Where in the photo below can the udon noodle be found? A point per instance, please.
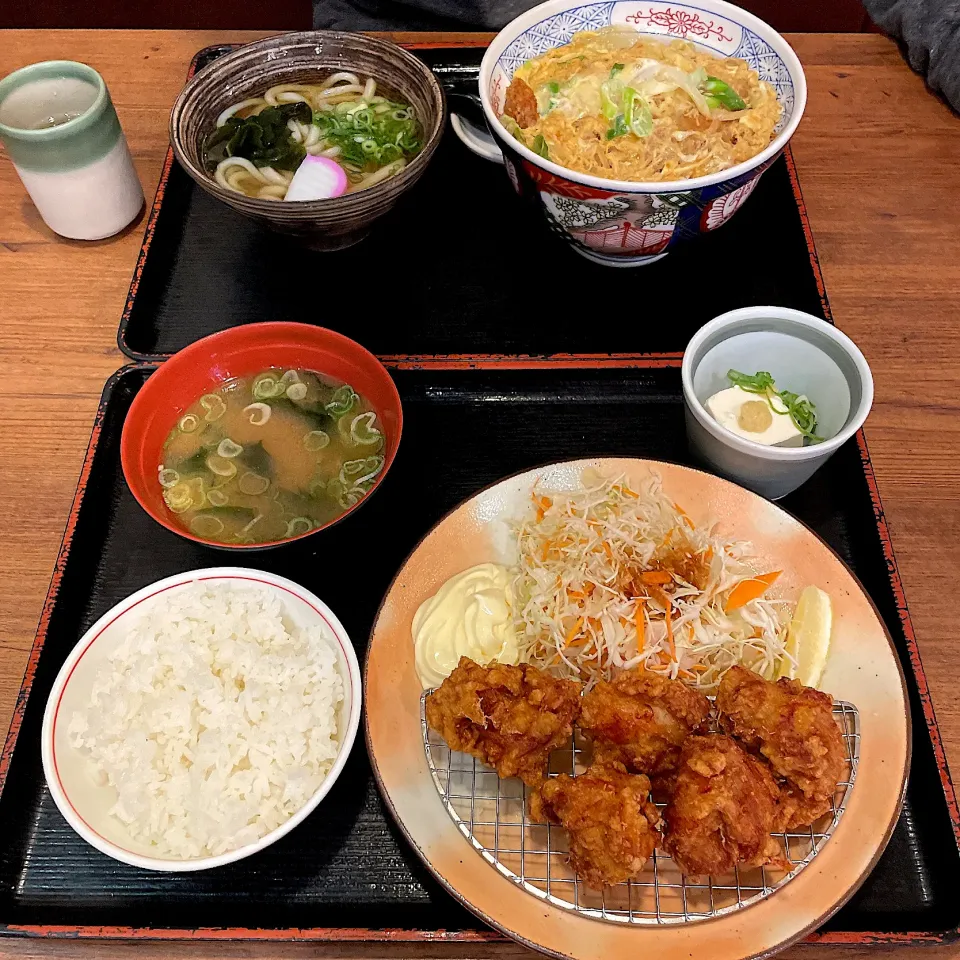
(616, 105)
(343, 118)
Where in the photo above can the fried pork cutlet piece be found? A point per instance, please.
(640, 719)
(510, 718)
(723, 807)
(792, 726)
(611, 822)
(520, 103)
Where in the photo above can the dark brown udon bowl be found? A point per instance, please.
(301, 58)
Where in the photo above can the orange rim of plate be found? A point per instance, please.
(862, 668)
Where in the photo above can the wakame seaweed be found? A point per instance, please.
(265, 139)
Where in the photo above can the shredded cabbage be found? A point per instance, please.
(603, 568)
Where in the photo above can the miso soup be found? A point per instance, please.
(270, 457)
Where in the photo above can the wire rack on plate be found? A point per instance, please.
(492, 814)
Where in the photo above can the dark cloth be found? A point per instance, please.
(930, 32)
(416, 14)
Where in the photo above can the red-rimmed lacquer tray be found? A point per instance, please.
(505, 392)
(346, 873)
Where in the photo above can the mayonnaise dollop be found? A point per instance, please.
(469, 616)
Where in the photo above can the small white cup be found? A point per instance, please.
(61, 131)
(804, 354)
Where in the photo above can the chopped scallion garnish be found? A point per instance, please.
(800, 410)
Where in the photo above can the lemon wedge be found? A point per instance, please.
(808, 637)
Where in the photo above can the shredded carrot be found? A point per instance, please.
(699, 668)
(607, 550)
(670, 643)
(750, 589)
(641, 626)
(543, 505)
(656, 576)
(572, 632)
(576, 594)
(686, 674)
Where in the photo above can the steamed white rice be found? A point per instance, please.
(215, 719)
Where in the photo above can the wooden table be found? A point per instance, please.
(877, 156)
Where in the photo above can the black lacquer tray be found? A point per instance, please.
(490, 327)
(459, 267)
(346, 873)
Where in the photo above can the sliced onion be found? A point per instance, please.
(189, 423)
(297, 391)
(297, 526)
(258, 413)
(316, 440)
(221, 467)
(253, 484)
(228, 449)
(217, 498)
(214, 406)
(168, 477)
(249, 526)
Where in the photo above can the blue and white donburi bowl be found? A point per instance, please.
(618, 222)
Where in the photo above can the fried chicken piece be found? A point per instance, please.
(793, 727)
(611, 822)
(640, 719)
(510, 718)
(520, 103)
(723, 807)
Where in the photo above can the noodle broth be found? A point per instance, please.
(270, 457)
(259, 143)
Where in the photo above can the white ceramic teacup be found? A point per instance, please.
(60, 128)
(805, 355)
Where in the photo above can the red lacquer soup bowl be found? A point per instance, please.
(245, 351)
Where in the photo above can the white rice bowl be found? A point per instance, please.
(201, 719)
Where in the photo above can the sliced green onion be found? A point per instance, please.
(720, 94)
(178, 498)
(540, 146)
(343, 401)
(615, 69)
(363, 431)
(214, 406)
(619, 128)
(206, 526)
(297, 526)
(228, 449)
(316, 440)
(218, 498)
(335, 488)
(801, 410)
(350, 498)
(189, 423)
(352, 468)
(267, 387)
(636, 113)
(253, 484)
(168, 477)
(297, 391)
(221, 467)
(288, 377)
(258, 413)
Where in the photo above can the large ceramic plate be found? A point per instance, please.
(862, 669)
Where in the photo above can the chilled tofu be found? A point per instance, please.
(748, 415)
